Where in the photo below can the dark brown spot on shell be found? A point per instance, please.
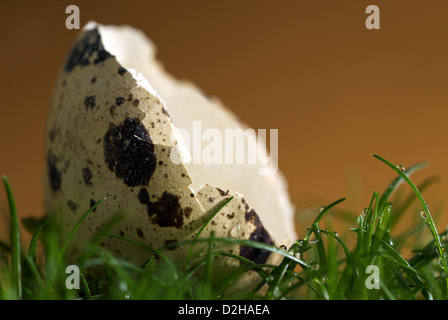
(52, 134)
(112, 110)
(87, 176)
(167, 212)
(102, 55)
(54, 174)
(260, 234)
(122, 71)
(140, 233)
(92, 203)
(165, 112)
(119, 101)
(72, 205)
(84, 50)
(136, 102)
(222, 192)
(143, 196)
(129, 152)
(187, 212)
(89, 102)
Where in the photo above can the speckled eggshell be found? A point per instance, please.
(236, 220)
(110, 136)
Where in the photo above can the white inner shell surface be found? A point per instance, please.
(185, 104)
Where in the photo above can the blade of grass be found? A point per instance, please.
(274, 291)
(319, 217)
(253, 244)
(388, 294)
(234, 275)
(401, 261)
(73, 231)
(398, 180)
(371, 220)
(429, 220)
(14, 233)
(381, 229)
(153, 251)
(369, 213)
(347, 252)
(321, 252)
(33, 277)
(33, 242)
(411, 198)
(332, 265)
(196, 237)
(207, 284)
(431, 284)
(66, 243)
(87, 295)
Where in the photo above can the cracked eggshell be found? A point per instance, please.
(109, 134)
(186, 104)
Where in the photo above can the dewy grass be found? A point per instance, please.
(425, 214)
(367, 261)
(14, 233)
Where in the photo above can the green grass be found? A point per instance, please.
(324, 264)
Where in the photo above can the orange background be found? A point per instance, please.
(336, 91)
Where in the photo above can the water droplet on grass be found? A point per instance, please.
(314, 265)
(364, 212)
(423, 214)
(440, 262)
(322, 208)
(401, 167)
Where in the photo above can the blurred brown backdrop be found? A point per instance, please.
(336, 91)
